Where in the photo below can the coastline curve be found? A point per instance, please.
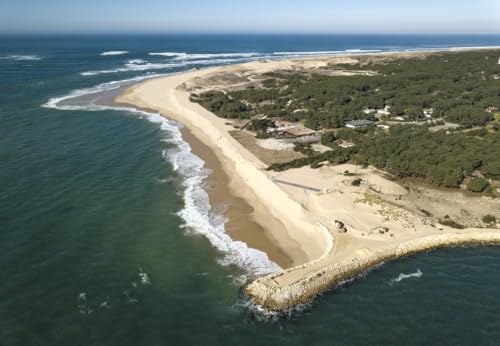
(265, 292)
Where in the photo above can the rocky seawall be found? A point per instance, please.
(271, 296)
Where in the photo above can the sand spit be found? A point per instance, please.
(382, 218)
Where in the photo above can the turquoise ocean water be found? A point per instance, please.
(106, 237)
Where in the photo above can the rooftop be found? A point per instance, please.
(359, 123)
(299, 131)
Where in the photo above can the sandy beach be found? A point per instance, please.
(292, 215)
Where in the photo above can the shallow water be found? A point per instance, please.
(98, 244)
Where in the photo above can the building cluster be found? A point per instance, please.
(294, 132)
(359, 124)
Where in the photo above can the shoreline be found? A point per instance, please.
(256, 219)
(240, 224)
(322, 256)
(266, 293)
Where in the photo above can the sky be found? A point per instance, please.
(250, 16)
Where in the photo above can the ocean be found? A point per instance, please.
(107, 236)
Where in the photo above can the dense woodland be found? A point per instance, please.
(413, 151)
(460, 87)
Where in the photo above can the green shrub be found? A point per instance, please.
(304, 148)
(451, 223)
(356, 182)
(477, 185)
(489, 219)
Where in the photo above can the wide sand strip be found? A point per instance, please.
(302, 221)
(299, 237)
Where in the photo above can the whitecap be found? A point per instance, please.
(168, 54)
(137, 61)
(114, 52)
(215, 56)
(402, 276)
(84, 310)
(199, 56)
(134, 66)
(326, 52)
(105, 305)
(145, 280)
(16, 57)
(363, 50)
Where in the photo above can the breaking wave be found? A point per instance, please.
(143, 65)
(114, 52)
(58, 102)
(327, 52)
(198, 56)
(196, 214)
(401, 277)
(17, 57)
(168, 54)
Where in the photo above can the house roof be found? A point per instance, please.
(299, 131)
(363, 122)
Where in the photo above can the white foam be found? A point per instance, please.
(114, 52)
(168, 54)
(16, 57)
(196, 213)
(193, 56)
(216, 56)
(55, 101)
(327, 52)
(131, 66)
(145, 280)
(137, 61)
(362, 50)
(142, 65)
(401, 277)
(105, 305)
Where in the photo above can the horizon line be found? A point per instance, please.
(204, 33)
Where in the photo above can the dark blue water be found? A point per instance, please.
(104, 234)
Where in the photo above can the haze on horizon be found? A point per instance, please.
(257, 16)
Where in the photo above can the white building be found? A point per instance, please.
(428, 112)
(359, 124)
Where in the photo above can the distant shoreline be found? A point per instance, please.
(322, 256)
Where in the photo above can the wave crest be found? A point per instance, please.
(401, 277)
(114, 52)
(19, 57)
(143, 65)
